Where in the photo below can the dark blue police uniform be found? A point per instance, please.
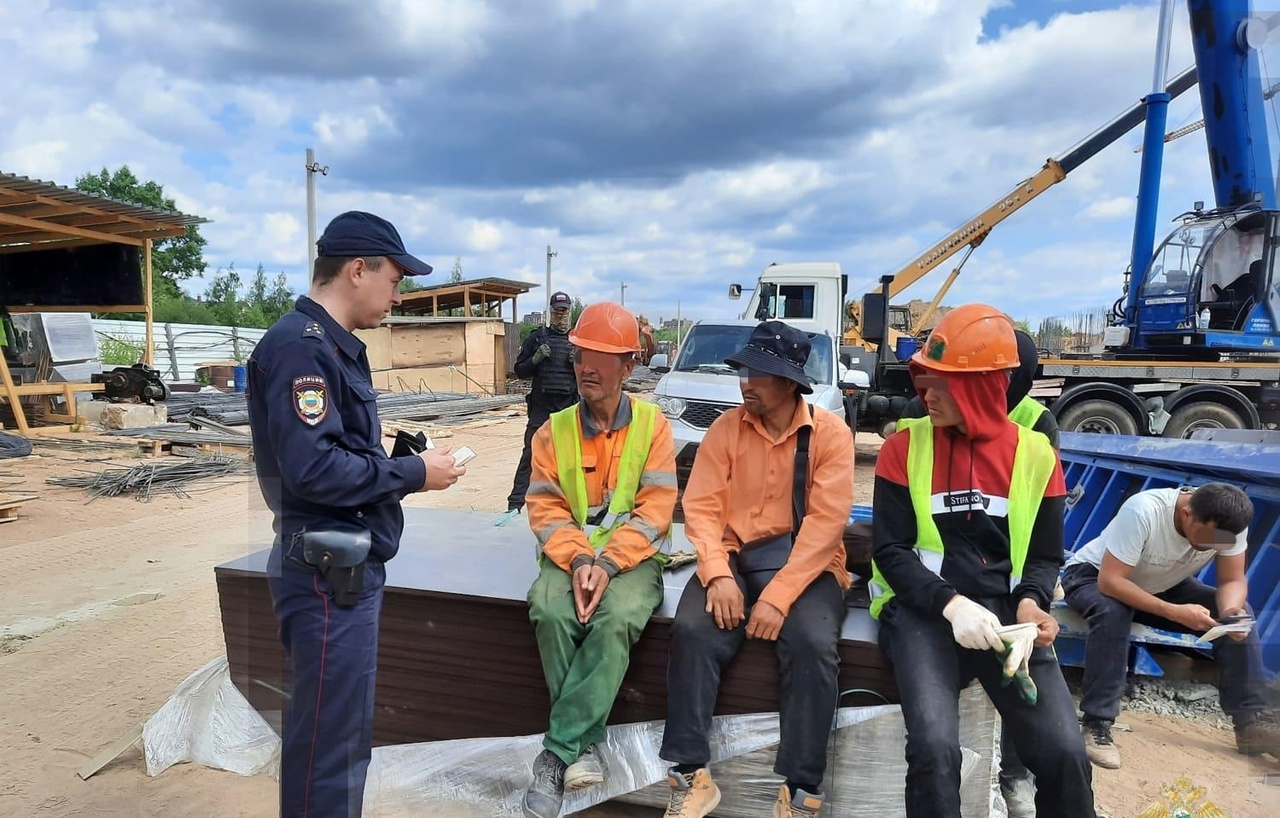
(321, 464)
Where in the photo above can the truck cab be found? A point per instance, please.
(698, 386)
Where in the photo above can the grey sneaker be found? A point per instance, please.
(1099, 746)
(587, 771)
(1019, 794)
(546, 793)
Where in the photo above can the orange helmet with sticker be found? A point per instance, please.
(970, 338)
(606, 327)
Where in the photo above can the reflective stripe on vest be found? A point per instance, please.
(1027, 412)
(1033, 465)
(566, 435)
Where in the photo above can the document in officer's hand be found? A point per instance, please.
(463, 456)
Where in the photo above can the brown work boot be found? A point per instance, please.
(805, 805)
(1259, 736)
(693, 795)
(1099, 746)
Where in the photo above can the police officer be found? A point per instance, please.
(335, 496)
(547, 358)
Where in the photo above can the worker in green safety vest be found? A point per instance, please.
(967, 543)
(601, 498)
(1017, 785)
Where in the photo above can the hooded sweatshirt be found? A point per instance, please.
(971, 475)
(1019, 387)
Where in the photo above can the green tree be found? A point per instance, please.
(455, 277)
(173, 260)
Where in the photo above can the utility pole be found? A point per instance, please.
(546, 313)
(623, 294)
(678, 325)
(312, 169)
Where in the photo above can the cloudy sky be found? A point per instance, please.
(674, 145)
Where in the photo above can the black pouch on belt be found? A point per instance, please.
(759, 559)
(340, 557)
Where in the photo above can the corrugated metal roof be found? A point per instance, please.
(67, 195)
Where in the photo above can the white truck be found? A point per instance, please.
(697, 387)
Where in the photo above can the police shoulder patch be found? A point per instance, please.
(310, 398)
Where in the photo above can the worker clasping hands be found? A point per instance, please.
(589, 584)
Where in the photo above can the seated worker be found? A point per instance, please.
(764, 572)
(1016, 783)
(967, 539)
(602, 496)
(1142, 567)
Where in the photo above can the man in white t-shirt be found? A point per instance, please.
(1142, 568)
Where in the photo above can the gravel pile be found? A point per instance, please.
(1189, 700)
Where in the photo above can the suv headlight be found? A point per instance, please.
(671, 407)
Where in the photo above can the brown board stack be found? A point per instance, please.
(456, 652)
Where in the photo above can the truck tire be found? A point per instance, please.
(1201, 415)
(1097, 417)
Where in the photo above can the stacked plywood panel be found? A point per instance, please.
(457, 656)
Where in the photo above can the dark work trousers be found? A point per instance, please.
(809, 667)
(541, 405)
(1241, 685)
(932, 669)
(328, 720)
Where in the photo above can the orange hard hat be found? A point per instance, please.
(970, 338)
(606, 327)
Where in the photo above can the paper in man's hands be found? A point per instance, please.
(1219, 631)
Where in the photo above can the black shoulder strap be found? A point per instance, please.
(800, 479)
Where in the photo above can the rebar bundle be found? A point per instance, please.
(153, 478)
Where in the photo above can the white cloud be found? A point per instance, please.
(967, 117)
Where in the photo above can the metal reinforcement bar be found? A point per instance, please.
(147, 480)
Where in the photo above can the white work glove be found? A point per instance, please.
(1019, 640)
(973, 626)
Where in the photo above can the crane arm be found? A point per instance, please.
(973, 231)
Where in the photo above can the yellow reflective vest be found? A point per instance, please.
(1032, 468)
(566, 434)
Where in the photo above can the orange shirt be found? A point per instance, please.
(740, 491)
(562, 540)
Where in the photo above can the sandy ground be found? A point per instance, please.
(105, 607)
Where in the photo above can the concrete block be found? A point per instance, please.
(123, 415)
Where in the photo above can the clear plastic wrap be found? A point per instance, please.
(865, 777)
(208, 722)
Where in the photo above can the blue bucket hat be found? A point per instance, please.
(356, 233)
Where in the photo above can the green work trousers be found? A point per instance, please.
(584, 664)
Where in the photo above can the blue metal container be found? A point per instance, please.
(240, 378)
(906, 347)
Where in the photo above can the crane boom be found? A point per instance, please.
(973, 231)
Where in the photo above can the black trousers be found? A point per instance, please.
(541, 406)
(932, 669)
(809, 665)
(1241, 683)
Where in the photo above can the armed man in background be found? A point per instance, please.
(601, 502)
(546, 357)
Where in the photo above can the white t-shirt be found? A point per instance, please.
(1142, 535)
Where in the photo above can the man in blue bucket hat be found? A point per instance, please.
(335, 496)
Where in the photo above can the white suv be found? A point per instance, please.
(700, 386)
